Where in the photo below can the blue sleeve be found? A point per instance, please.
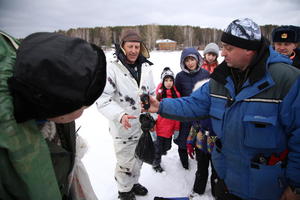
(194, 107)
(290, 116)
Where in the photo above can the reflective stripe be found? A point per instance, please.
(250, 100)
(218, 96)
(264, 100)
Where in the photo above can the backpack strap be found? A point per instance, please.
(15, 45)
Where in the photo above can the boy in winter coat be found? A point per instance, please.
(190, 63)
(165, 128)
(201, 141)
(211, 53)
(40, 97)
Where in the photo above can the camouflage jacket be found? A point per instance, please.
(26, 170)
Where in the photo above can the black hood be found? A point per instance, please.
(55, 75)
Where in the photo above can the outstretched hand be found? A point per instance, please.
(154, 105)
(125, 120)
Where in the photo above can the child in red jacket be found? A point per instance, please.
(211, 53)
(165, 128)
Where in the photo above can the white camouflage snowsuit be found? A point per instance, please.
(122, 95)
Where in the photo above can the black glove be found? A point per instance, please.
(147, 122)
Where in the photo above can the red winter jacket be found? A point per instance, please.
(166, 127)
(209, 67)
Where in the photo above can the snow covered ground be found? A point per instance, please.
(100, 160)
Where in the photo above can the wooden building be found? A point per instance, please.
(166, 44)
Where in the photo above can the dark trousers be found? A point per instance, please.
(162, 145)
(201, 176)
(183, 155)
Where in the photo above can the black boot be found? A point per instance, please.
(138, 189)
(126, 195)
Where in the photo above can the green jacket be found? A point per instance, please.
(26, 171)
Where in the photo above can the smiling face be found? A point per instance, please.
(285, 48)
(236, 57)
(191, 63)
(132, 51)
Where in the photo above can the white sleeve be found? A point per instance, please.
(105, 103)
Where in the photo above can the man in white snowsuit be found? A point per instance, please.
(128, 76)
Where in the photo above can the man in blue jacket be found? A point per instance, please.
(253, 99)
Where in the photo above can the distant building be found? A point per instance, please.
(166, 44)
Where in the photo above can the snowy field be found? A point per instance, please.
(100, 160)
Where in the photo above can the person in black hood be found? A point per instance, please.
(49, 80)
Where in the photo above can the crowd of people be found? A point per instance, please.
(239, 118)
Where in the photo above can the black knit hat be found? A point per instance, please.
(286, 34)
(55, 75)
(243, 33)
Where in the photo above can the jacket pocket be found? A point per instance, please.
(217, 120)
(267, 182)
(260, 131)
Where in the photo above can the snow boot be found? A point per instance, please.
(126, 196)
(158, 168)
(138, 189)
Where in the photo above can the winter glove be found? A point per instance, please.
(190, 150)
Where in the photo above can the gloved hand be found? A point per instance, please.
(190, 150)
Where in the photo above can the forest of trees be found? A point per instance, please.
(185, 36)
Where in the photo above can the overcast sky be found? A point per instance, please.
(22, 17)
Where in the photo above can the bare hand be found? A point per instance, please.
(125, 121)
(289, 195)
(154, 105)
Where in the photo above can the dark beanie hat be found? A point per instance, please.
(243, 33)
(286, 34)
(132, 36)
(55, 75)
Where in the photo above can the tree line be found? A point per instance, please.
(185, 36)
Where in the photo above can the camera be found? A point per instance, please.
(145, 100)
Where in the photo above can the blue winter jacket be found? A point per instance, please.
(262, 119)
(185, 82)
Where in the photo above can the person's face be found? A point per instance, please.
(210, 57)
(63, 119)
(191, 63)
(285, 48)
(132, 51)
(168, 82)
(236, 57)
